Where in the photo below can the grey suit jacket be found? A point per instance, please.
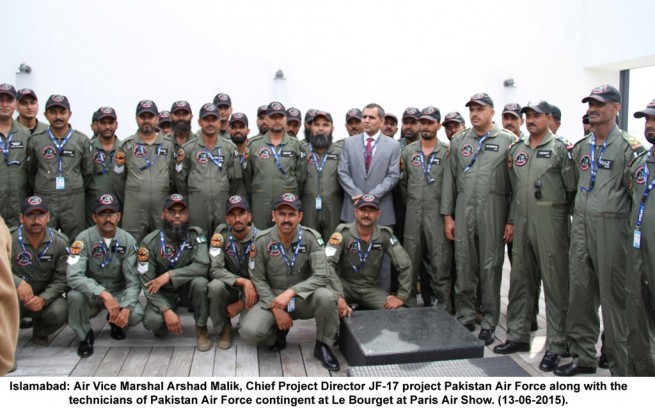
(382, 177)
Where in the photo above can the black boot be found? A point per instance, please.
(280, 341)
(85, 349)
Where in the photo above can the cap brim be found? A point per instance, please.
(477, 102)
(428, 117)
(56, 104)
(525, 109)
(645, 112)
(33, 209)
(514, 113)
(115, 208)
(596, 97)
(240, 121)
(8, 93)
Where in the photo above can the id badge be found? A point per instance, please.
(291, 307)
(319, 203)
(60, 183)
(636, 239)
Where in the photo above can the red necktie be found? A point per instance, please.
(368, 154)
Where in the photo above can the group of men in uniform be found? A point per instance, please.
(489, 187)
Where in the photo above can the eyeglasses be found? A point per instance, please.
(34, 216)
(106, 215)
(172, 212)
(537, 186)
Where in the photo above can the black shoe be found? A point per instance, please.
(509, 347)
(487, 336)
(322, 353)
(470, 326)
(280, 341)
(573, 369)
(26, 323)
(534, 326)
(116, 332)
(549, 361)
(566, 353)
(85, 349)
(603, 361)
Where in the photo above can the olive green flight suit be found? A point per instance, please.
(65, 203)
(188, 285)
(229, 262)
(309, 279)
(599, 240)
(44, 269)
(479, 200)
(88, 278)
(103, 166)
(142, 178)
(13, 172)
(326, 219)
(265, 181)
(424, 226)
(359, 282)
(541, 239)
(640, 273)
(207, 183)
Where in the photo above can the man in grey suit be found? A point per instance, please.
(370, 164)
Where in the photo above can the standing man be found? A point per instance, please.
(207, 172)
(587, 128)
(309, 120)
(262, 122)
(181, 116)
(599, 238)
(640, 277)
(370, 164)
(28, 109)
(409, 130)
(322, 194)
(173, 263)
(103, 275)
(61, 166)
(475, 203)
(231, 292)
(13, 163)
(453, 123)
(557, 119)
(223, 103)
(289, 269)
(512, 119)
(143, 173)
(164, 124)
(423, 164)
(38, 263)
(354, 122)
(542, 172)
(239, 136)
(355, 254)
(390, 126)
(294, 120)
(103, 151)
(276, 165)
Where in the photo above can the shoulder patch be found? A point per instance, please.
(253, 251)
(336, 239)
(142, 254)
(201, 239)
(120, 158)
(76, 248)
(393, 240)
(565, 141)
(180, 155)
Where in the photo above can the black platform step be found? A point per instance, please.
(478, 367)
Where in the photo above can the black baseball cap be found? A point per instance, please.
(412, 112)
(8, 89)
(57, 101)
(33, 203)
(604, 93)
(431, 113)
(106, 112)
(512, 108)
(288, 199)
(239, 117)
(354, 113)
(174, 199)
(24, 92)
(146, 105)
(165, 117)
(310, 115)
(293, 114)
(261, 110)
(222, 99)
(324, 114)
(237, 202)
(367, 200)
(181, 104)
(275, 108)
(541, 107)
(556, 112)
(390, 115)
(208, 109)
(454, 117)
(481, 98)
(106, 201)
(650, 110)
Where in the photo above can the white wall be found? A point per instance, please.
(335, 55)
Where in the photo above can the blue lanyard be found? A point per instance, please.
(477, 151)
(148, 162)
(426, 172)
(217, 160)
(241, 258)
(644, 197)
(594, 164)
(276, 156)
(105, 168)
(163, 246)
(291, 263)
(22, 246)
(5, 149)
(320, 168)
(108, 256)
(60, 149)
(364, 257)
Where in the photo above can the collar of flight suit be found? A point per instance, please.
(374, 236)
(285, 139)
(611, 137)
(158, 140)
(276, 237)
(549, 137)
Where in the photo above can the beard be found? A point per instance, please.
(238, 139)
(181, 128)
(410, 136)
(321, 141)
(308, 134)
(650, 135)
(177, 233)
